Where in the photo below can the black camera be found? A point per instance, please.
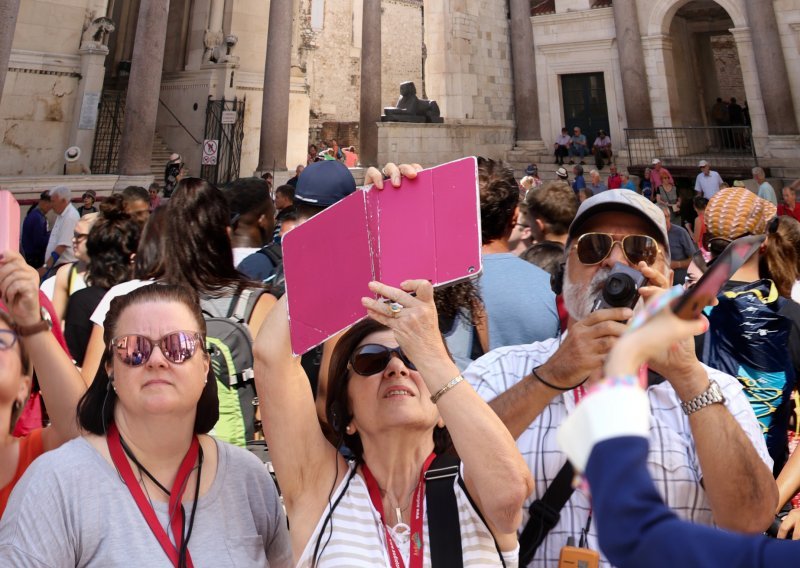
(621, 289)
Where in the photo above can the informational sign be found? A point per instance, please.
(90, 106)
(210, 151)
(229, 116)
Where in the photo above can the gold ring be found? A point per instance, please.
(395, 308)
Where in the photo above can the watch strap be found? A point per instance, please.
(44, 324)
(712, 395)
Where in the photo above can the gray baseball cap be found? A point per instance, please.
(624, 201)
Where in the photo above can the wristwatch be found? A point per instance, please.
(712, 395)
(45, 324)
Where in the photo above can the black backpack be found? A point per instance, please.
(276, 284)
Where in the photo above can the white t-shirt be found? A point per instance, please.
(62, 232)
(99, 313)
(240, 253)
(708, 185)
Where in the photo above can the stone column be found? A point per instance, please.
(87, 101)
(771, 65)
(523, 59)
(275, 105)
(144, 87)
(635, 92)
(370, 82)
(8, 21)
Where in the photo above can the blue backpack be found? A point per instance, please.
(749, 339)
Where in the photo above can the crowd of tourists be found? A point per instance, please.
(157, 416)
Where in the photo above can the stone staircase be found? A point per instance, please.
(519, 158)
(159, 158)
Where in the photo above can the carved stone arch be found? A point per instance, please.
(664, 10)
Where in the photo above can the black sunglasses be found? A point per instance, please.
(372, 358)
(594, 248)
(135, 350)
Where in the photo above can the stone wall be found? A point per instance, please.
(432, 144)
(728, 68)
(331, 56)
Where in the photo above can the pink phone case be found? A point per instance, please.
(9, 222)
(429, 228)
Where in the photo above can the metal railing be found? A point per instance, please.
(108, 133)
(724, 146)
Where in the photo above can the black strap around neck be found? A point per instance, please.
(545, 513)
(444, 530)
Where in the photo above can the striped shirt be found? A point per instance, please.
(673, 462)
(354, 536)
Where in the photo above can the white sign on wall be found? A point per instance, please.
(229, 117)
(210, 151)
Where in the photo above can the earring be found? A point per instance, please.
(349, 429)
(17, 405)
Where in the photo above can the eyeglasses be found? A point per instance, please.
(135, 350)
(78, 237)
(594, 248)
(8, 338)
(372, 358)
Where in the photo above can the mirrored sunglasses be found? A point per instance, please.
(594, 248)
(372, 358)
(135, 350)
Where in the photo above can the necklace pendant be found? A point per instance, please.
(398, 515)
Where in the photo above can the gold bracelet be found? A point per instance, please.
(435, 398)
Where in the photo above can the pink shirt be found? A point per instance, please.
(656, 177)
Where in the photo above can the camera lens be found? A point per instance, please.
(619, 290)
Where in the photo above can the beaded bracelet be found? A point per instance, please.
(614, 382)
(435, 398)
(552, 386)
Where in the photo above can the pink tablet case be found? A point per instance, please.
(429, 228)
(9, 222)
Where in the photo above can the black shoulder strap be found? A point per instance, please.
(545, 513)
(442, 509)
(273, 252)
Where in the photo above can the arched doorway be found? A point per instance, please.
(705, 62)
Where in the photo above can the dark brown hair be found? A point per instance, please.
(337, 406)
(25, 364)
(554, 204)
(499, 198)
(96, 407)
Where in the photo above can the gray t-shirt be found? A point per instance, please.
(71, 508)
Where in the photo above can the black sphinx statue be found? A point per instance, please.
(410, 108)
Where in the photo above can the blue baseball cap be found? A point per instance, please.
(324, 183)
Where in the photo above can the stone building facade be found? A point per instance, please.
(505, 85)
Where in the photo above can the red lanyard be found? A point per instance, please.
(176, 494)
(578, 393)
(416, 517)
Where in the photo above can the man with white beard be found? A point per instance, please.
(707, 454)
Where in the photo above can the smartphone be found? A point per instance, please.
(690, 305)
(9, 222)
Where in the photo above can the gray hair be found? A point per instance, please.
(61, 191)
(759, 172)
(594, 172)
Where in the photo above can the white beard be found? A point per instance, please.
(578, 299)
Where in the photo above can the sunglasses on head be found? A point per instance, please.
(372, 358)
(135, 350)
(594, 248)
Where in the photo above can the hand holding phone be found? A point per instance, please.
(9, 222)
(691, 304)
